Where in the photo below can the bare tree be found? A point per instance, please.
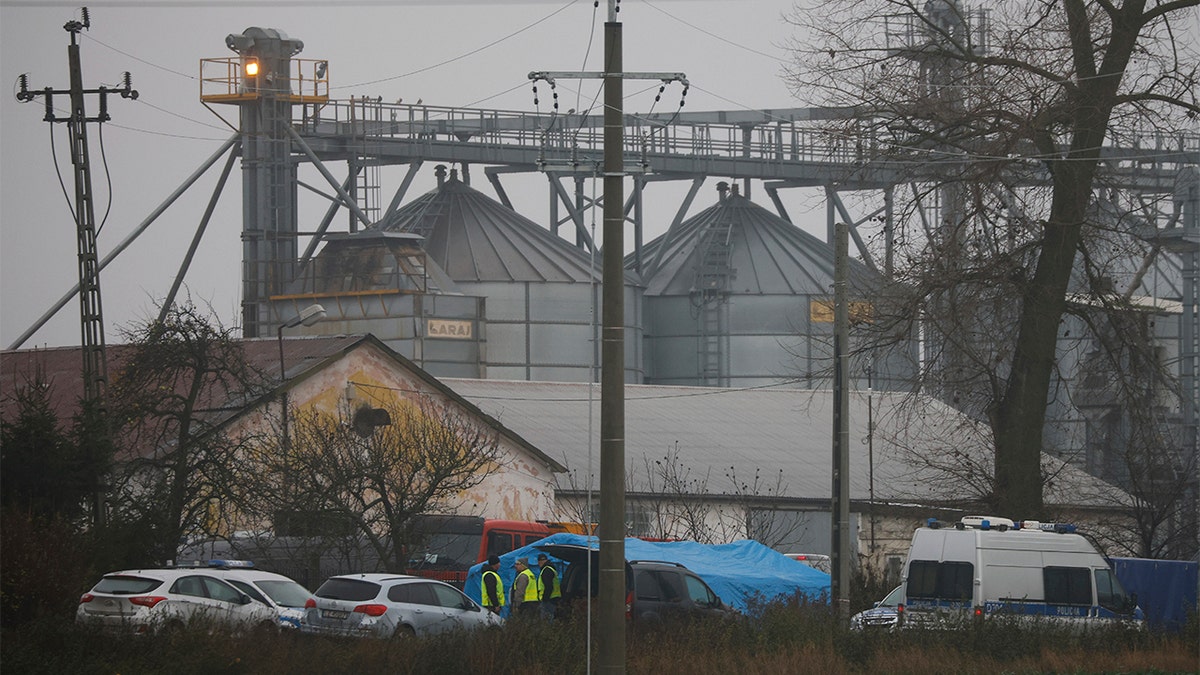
(675, 499)
(764, 521)
(669, 499)
(1126, 394)
(367, 473)
(176, 467)
(1001, 120)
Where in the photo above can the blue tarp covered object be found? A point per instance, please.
(1166, 589)
(737, 572)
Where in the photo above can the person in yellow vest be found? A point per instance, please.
(525, 590)
(491, 587)
(549, 590)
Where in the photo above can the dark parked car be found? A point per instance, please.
(654, 588)
(886, 613)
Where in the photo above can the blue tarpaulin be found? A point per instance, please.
(737, 572)
(1166, 589)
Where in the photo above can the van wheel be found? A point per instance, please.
(405, 632)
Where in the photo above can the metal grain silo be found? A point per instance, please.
(736, 296)
(539, 289)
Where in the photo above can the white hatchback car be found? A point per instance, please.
(148, 600)
(387, 605)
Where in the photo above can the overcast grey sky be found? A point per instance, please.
(445, 53)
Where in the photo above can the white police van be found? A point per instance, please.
(985, 566)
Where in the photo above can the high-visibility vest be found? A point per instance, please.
(483, 590)
(531, 587)
(555, 589)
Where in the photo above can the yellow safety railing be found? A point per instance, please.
(224, 80)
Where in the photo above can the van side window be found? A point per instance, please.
(1068, 585)
(499, 543)
(940, 580)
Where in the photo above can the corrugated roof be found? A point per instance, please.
(767, 254)
(304, 356)
(720, 433)
(62, 366)
(475, 238)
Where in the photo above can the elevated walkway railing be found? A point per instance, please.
(798, 135)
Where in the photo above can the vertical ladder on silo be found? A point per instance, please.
(425, 219)
(713, 274)
(366, 189)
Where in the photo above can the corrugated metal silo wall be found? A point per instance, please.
(766, 339)
(546, 331)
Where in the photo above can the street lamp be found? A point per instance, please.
(307, 317)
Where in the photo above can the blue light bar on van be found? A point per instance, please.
(231, 564)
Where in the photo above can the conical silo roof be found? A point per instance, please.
(762, 253)
(477, 239)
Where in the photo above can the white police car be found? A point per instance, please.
(276, 591)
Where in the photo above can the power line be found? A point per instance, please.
(465, 55)
(141, 60)
(727, 41)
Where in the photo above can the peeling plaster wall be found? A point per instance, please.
(520, 489)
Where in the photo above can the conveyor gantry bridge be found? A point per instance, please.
(799, 147)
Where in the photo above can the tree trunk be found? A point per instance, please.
(1020, 416)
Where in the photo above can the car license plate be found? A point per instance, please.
(334, 614)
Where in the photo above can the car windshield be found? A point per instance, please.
(249, 590)
(125, 585)
(894, 598)
(285, 593)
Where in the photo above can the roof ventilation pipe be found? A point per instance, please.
(723, 190)
(440, 172)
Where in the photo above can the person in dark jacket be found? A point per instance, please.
(491, 589)
(549, 590)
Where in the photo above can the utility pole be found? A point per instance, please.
(840, 548)
(611, 607)
(91, 318)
